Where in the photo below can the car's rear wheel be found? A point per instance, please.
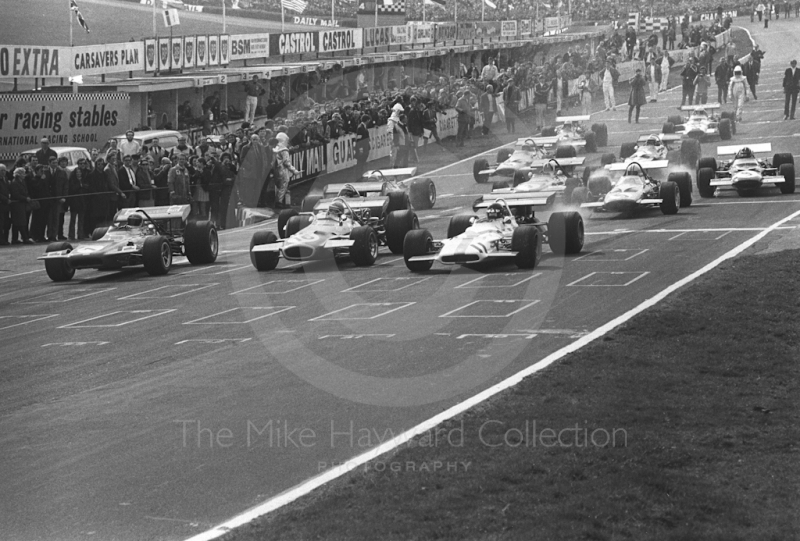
(263, 261)
(591, 142)
(503, 154)
(675, 119)
(566, 151)
(398, 223)
(668, 128)
(725, 130)
(684, 182)
(397, 201)
(527, 242)
(309, 202)
(417, 242)
(157, 255)
(599, 185)
(627, 150)
(565, 233)
(670, 196)
(571, 184)
(704, 177)
(787, 172)
(782, 158)
(728, 115)
(481, 164)
(297, 223)
(200, 242)
(423, 194)
(711, 163)
(548, 131)
(99, 233)
(459, 223)
(283, 218)
(59, 270)
(364, 250)
(588, 171)
(607, 158)
(601, 134)
(690, 153)
(579, 196)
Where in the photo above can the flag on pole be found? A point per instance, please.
(295, 5)
(81, 21)
(440, 3)
(490, 4)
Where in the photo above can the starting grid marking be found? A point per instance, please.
(273, 310)
(64, 296)
(699, 235)
(373, 286)
(213, 341)
(70, 344)
(492, 277)
(152, 293)
(492, 304)
(279, 283)
(608, 279)
(28, 319)
(139, 315)
(364, 310)
(621, 254)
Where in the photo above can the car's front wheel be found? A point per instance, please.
(157, 255)
(59, 270)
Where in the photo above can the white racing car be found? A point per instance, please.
(343, 225)
(509, 162)
(551, 175)
(657, 147)
(745, 173)
(401, 185)
(509, 230)
(572, 132)
(636, 189)
(702, 122)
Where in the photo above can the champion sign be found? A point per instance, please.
(340, 40)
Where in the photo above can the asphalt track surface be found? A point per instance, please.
(138, 407)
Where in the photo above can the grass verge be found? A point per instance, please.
(700, 398)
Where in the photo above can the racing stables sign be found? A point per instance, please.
(294, 43)
(83, 120)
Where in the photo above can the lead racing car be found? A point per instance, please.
(344, 225)
(745, 173)
(401, 185)
(700, 123)
(636, 189)
(138, 236)
(508, 231)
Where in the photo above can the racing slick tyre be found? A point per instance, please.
(397, 201)
(283, 218)
(607, 158)
(565, 233)
(398, 223)
(782, 158)
(99, 233)
(579, 196)
(364, 250)
(481, 164)
(588, 171)
(626, 150)
(675, 119)
(670, 195)
(704, 177)
(519, 178)
(786, 170)
(296, 223)
(690, 152)
(309, 202)
(263, 261)
(599, 185)
(569, 187)
(591, 142)
(459, 223)
(417, 242)
(732, 117)
(200, 242)
(711, 163)
(601, 134)
(527, 242)
(566, 151)
(503, 154)
(725, 129)
(59, 270)
(667, 128)
(422, 193)
(549, 131)
(684, 182)
(157, 255)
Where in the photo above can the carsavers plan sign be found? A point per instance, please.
(37, 61)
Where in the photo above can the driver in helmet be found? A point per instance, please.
(653, 141)
(348, 190)
(745, 152)
(560, 177)
(335, 210)
(700, 111)
(134, 220)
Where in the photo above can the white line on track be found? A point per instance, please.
(20, 274)
(312, 484)
(709, 230)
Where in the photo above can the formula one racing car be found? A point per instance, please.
(700, 123)
(542, 176)
(745, 173)
(148, 236)
(400, 184)
(571, 132)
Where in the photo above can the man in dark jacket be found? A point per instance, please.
(19, 201)
(79, 186)
(689, 74)
(144, 181)
(161, 191)
(721, 76)
(5, 206)
(38, 188)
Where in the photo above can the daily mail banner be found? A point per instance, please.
(244, 46)
(36, 61)
(84, 120)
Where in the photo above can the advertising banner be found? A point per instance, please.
(224, 50)
(36, 61)
(176, 59)
(163, 54)
(446, 32)
(84, 120)
(313, 21)
(379, 36)
(466, 31)
(293, 43)
(201, 58)
(213, 50)
(401, 35)
(489, 29)
(331, 41)
(150, 61)
(245, 46)
(551, 24)
(423, 33)
(508, 29)
(525, 28)
(310, 162)
(189, 51)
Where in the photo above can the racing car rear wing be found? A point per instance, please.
(522, 199)
(552, 141)
(704, 106)
(665, 137)
(646, 164)
(564, 162)
(733, 149)
(399, 172)
(332, 190)
(584, 118)
(525, 141)
(156, 213)
(355, 204)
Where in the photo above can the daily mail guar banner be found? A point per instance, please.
(82, 120)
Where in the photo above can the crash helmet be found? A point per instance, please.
(135, 220)
(495, 211)
(336, 210)
(348, 190)
(745, 153)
